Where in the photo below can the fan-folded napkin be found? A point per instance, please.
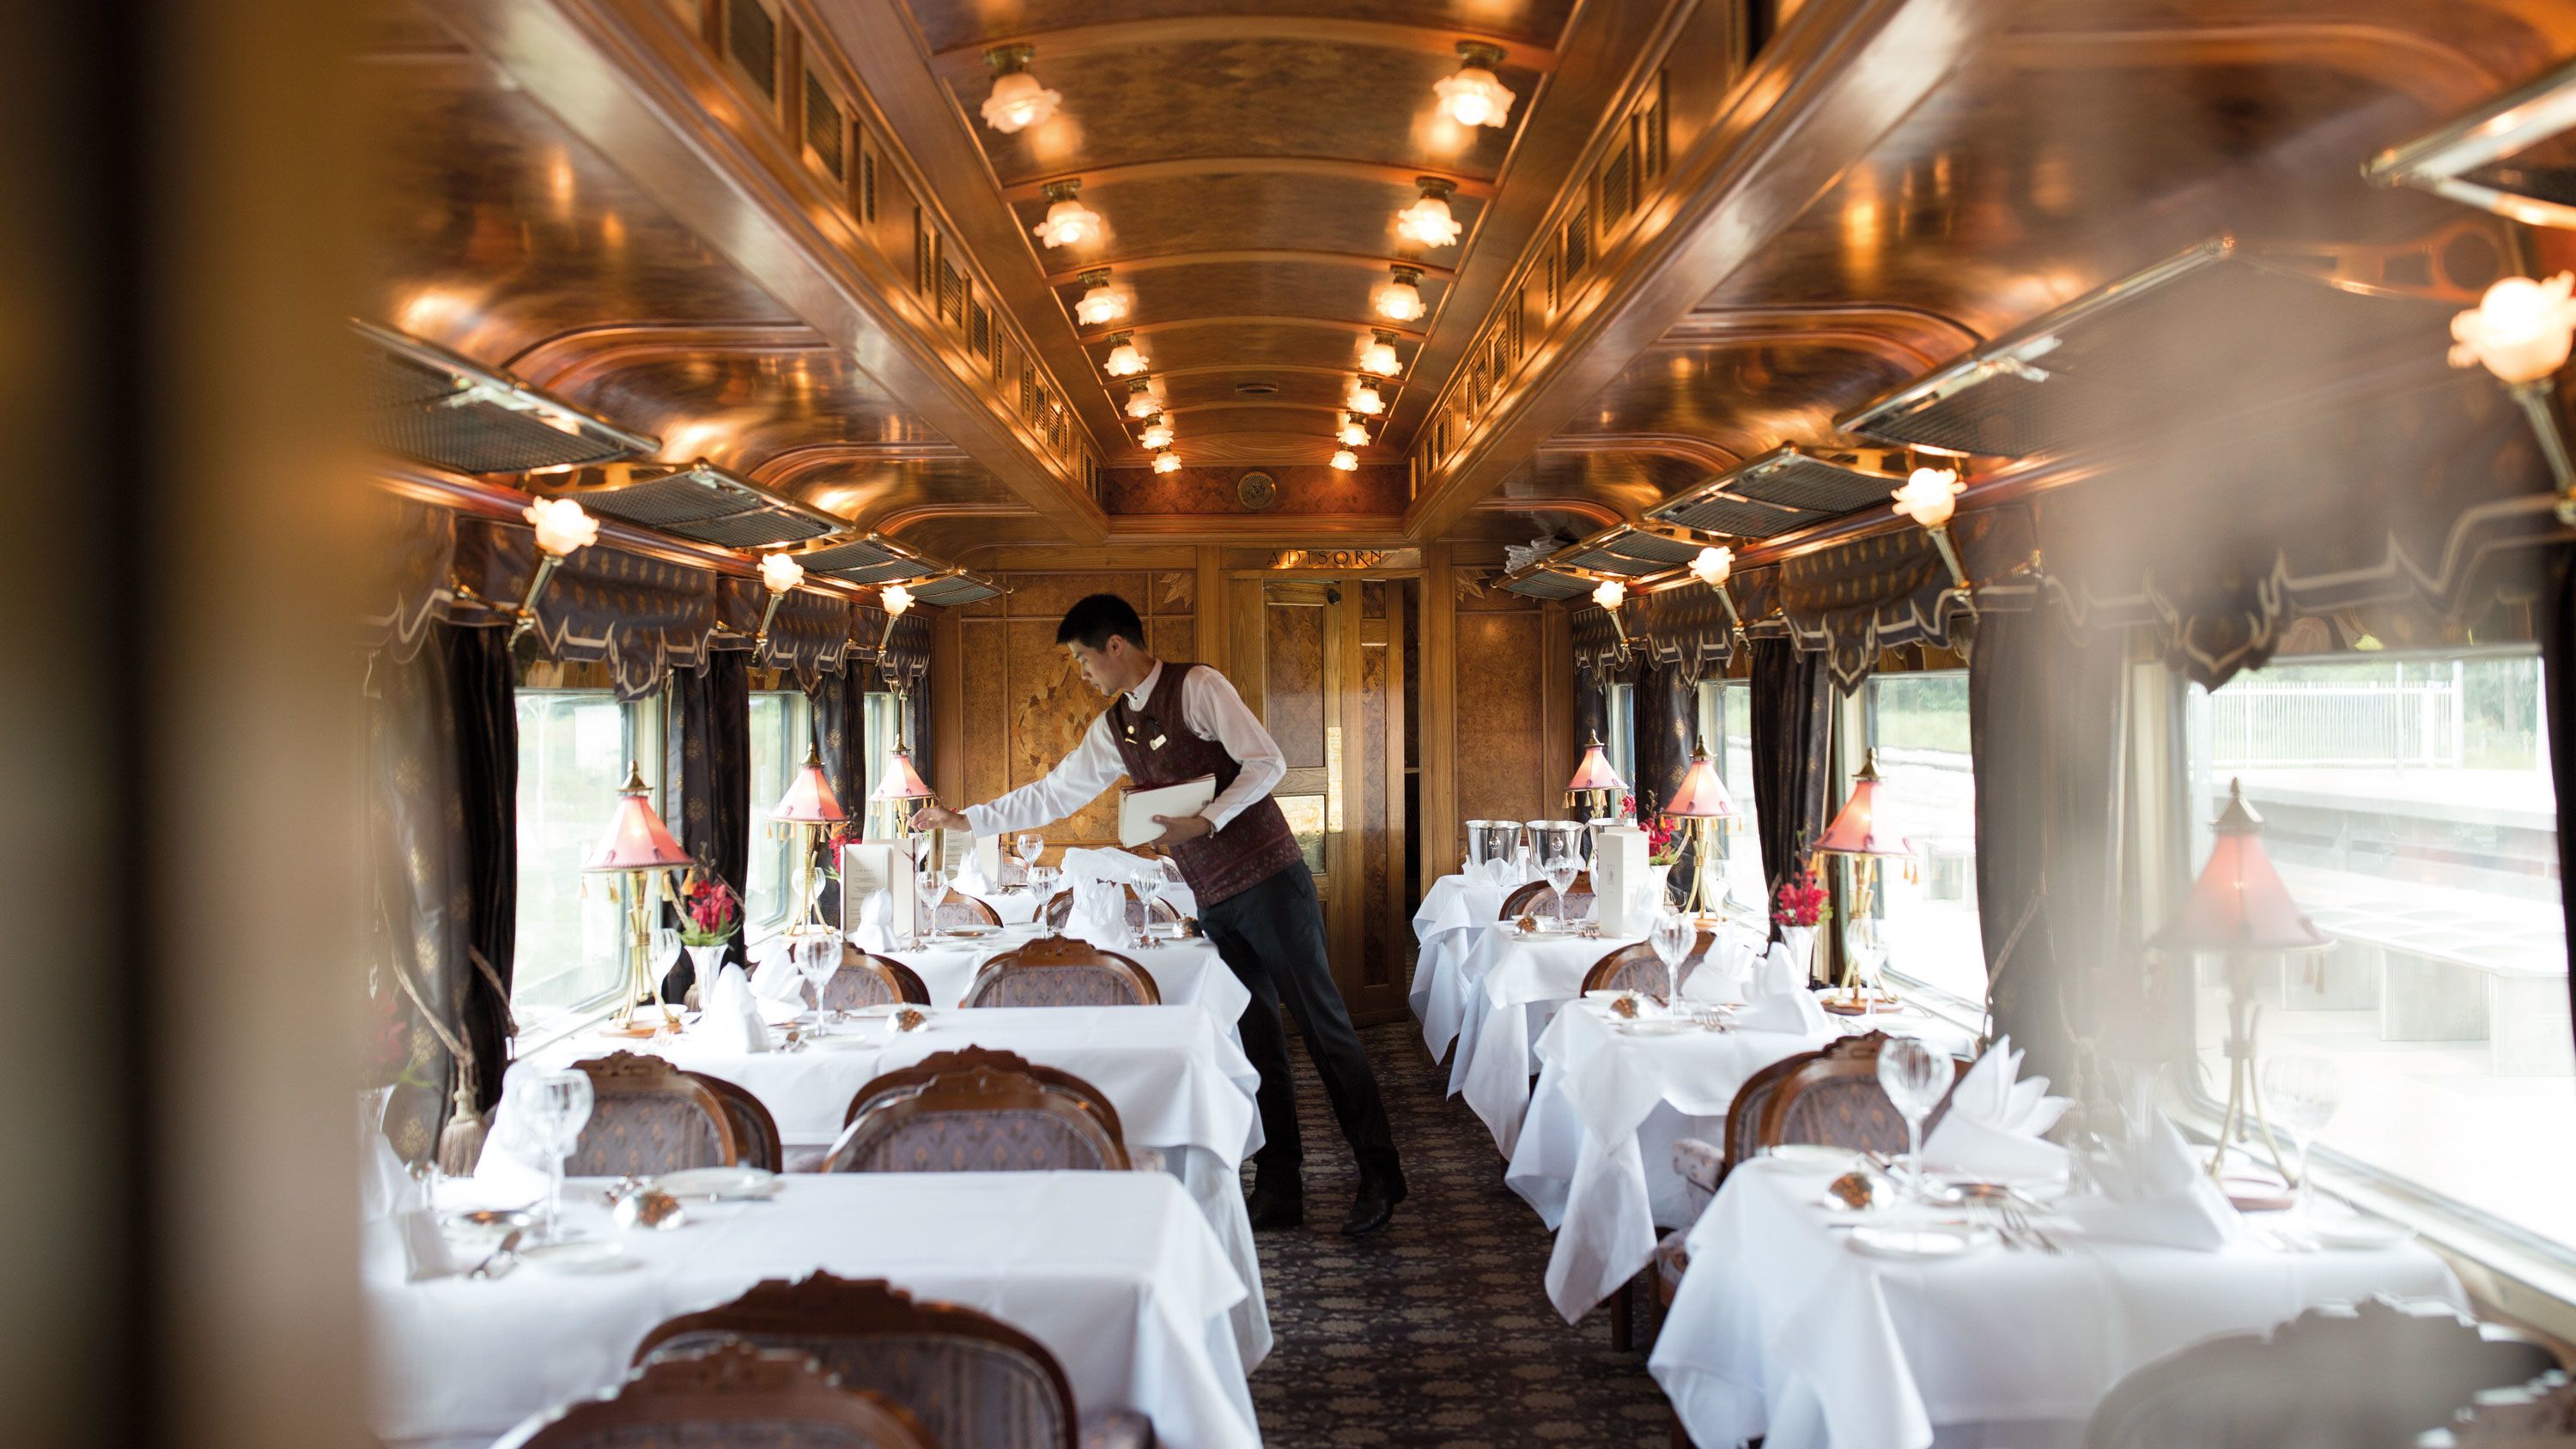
(1996, 1121)
(399, 1232)
(1724, 975)
(729, 1014)
(1779, 999)
(2151, 1189)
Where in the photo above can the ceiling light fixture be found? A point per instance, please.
(1610, 595)
(1714, 566)
(1379, 356)
(1428, 222)
(1158, 435)
(1473, 97)
(563, 528)
(1141, 403)
(2522, 331)
(1017, 101)
(781, 575)
(1101, 303)
(1400, 299)
(1364, 399)
(1345, 461)
(1124, 359)
(1167, 462)
(1068, 222)
(1930, 496)
(1353, 432)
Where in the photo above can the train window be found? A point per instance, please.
(881, 717)
(1726, 729)
(1918, 724)
(574, 745)
(781, 729)
(2407, 802)
(1619, 730)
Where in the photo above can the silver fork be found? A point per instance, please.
(2017, 1223)
(509, 1249)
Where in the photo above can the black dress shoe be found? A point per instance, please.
(1374, 1208)
(1275, 1210)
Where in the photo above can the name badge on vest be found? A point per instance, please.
(1155, 743)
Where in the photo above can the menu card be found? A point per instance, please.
(869, 866)
(1137, 808)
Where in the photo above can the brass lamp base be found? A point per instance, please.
(641, 988)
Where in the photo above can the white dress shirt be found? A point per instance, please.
(1210, 710)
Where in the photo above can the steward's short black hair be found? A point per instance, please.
(1096, 618)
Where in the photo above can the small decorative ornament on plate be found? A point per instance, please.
(648, 1207)
(910, 1018)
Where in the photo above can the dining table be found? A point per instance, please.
(1116, 1273)
(1786, 1330)
(1513, 982)
(1186, 970)
(1595, 1151)
(1179, 1081)
(1454, 912)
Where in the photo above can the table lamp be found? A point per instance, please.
(1595, 777)
(1702, 803)
(1855, 838)
(809, 804)
(902, 783)
(639, 846)
(2240, 909)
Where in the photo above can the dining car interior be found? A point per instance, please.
(1183, 724)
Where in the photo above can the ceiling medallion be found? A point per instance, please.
(1256, 490)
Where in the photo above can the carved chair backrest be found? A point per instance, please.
(1636, 967)
(646, 1117)
(1062, 971)
(1535, 896)
(725, 1394)
(985, 1118)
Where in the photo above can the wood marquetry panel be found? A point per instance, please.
(1294, 667)
(1501, 716)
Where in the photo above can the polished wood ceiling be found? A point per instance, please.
(1845, 194)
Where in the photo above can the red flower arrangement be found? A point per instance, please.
(1663, 838)
(848, 833)
(709, 911)
(1801, 901)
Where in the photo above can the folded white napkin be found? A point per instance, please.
(873, 933)
(1996, 1120)
(1724, 976)
(2152, 1190)
(1083, 863)
(385, 1185)
(773, 977)
(970, 875)
(1778, 999)
(731, 1015)
(1099, 913)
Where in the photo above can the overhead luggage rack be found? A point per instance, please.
(1547, 583)
(1632, 552)
(2512, 156)
(428, 403)
(696, 501)
(954, 589)
(2214, 331)
(1784, 489)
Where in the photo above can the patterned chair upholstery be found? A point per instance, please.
(727, 1395)
(1059, 909)
(869, 980)
(1833, 1097)
(649, 1117)
(1062, 971)
(972, 1380)
(2370, 1376)
(755, 1131)
(1529, 899)
(978, 1116)
(1638, 968)
(961, 909)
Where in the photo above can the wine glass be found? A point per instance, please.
(2300, 1093)
(1159, 888)
(1672, 936)
(930, 887)
(1028, 845)
(1914, 1077)
(1042, 879)
(557, 1106)
(815, 955)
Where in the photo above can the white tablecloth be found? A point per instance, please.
(1781, 1330)
(1513, 986)
(1016, 907)
(1180, 1082)
(1187, 972)
(1452, 915)
(1115, 1272)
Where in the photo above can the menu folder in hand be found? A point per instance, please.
(1137, 808)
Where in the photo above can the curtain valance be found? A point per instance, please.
(640, 616)
(417, 542)
(811, 637)
(905, 660)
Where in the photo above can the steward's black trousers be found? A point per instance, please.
(1273, 937)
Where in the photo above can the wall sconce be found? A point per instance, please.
(782, 574)
(1353, 433)
(1345, 461)
(1399, 299)
(1124, 359)
(1068, 222)
(2521, 331)
(1167, 462)
(1714, 566)
(1428, 223)
(1017, 100)
(1364, 399)
(1378, 359)
(896, 598)
(1929, 497)
(1610, 595)
(563, 528)
(1157, 435)
(1141, 402)
(1101, 303)
(1473, 97)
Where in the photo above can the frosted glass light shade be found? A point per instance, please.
(1018, 102)
(2520, 330)
(1930, 496)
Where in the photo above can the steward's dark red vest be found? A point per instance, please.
(1157, 747)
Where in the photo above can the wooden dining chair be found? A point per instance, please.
(647, 1117)
(972, 1380)
(1636, 967)
(728, 1392)
(1833, 1097)
(1525, 900)
(866, 979)
(920, 1073)
(2369, 1376)
(1062, 971)
(961, 909)
(755, 1131)
(979, 1116)
(1059, 909)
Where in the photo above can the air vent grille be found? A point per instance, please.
(751, 35)
(823, 126)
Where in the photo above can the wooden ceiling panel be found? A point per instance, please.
(1348, 213)
(1063, 27)
(1191, 392)
(1190, 345)
(1326, 291)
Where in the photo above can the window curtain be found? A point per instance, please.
(1792, 752)
(419, 917)
(485, 719)
(1591, 708)
(2045, 728)
(2554, 621)
(1666, 716)
(708, 770)
(840, 700)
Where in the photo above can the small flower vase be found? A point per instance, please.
(1654, 891)
(1801, 941)
(705, 961)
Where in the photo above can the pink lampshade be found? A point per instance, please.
(1855, 831)
(1701, 794)
(901, 781)
(1595, 772)
(809, 799)
(2239, 903)
(637, 839)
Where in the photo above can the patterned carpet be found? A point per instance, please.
(1437, 1332)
